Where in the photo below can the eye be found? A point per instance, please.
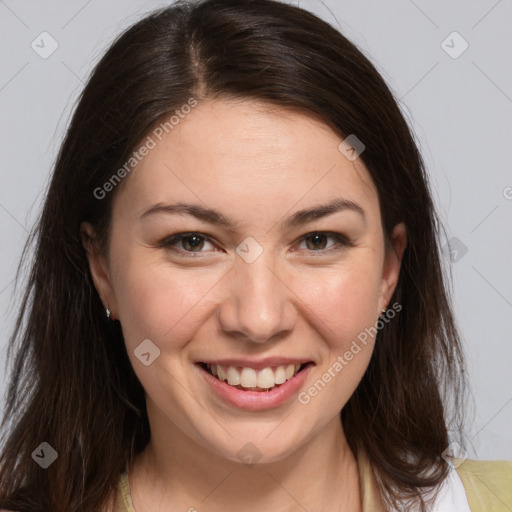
(317, 241)
(190, 242)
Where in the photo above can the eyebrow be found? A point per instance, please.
(212, 216)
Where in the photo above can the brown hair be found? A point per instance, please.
(72, 384)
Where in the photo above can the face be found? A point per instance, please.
(237, 277)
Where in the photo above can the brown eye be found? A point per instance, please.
(192, 243)
(317, 241)
(187, 243)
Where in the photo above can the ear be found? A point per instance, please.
(99, 268)
(392, 262)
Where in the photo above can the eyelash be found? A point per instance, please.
(171, 242)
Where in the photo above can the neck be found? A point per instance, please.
(176, 473)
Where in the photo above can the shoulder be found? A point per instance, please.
(488, 483)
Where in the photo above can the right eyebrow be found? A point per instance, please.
(199, 212)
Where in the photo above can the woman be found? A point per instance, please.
(237, 300)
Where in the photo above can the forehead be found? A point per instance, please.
(231, 154)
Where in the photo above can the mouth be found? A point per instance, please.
(245, 378)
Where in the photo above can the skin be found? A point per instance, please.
(257, 165)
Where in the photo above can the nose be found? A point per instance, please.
(258, 306)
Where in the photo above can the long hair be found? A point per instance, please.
(72, 385)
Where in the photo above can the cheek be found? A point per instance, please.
(161, 303)
(344, 299)
(343, 309)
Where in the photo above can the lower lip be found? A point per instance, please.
(256, 400)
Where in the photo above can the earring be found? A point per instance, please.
(108, 313)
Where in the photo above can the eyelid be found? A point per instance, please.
(341, 241)
(171, 242)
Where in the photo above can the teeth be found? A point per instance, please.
(280, 375)
(233, 377)
(246, 377)
(265, 378)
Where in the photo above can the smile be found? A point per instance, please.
(251, 379)
(255, 386)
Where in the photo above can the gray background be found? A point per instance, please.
(460, 109)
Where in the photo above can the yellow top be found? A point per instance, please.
(124, 498)
(487, 486)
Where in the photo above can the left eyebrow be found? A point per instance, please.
(317, 212)
(214, 217)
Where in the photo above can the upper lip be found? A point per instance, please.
(257, 364)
